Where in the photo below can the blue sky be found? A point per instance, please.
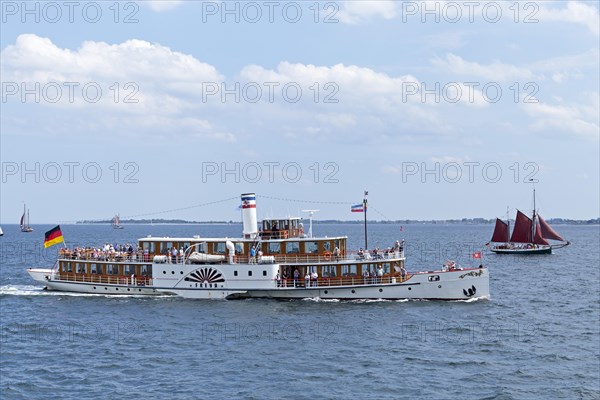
(439, 110)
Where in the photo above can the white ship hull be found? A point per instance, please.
(437, 285)
(45, 276)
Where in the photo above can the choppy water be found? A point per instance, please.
(536, 338)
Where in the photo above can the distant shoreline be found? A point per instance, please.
(464, 221)
(468, 221)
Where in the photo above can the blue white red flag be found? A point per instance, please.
(357, 208)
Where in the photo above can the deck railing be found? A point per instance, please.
(104, 279)
(292, 258)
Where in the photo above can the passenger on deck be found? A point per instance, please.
(307, 279)
(278, 279)
(285, 278)
(366, 276)
(315, 278)
(336, 253)
(296, 276)
(252, 255)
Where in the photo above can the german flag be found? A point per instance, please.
(53, 236)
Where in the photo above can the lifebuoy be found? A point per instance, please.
(327, 255)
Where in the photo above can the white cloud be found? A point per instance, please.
(493, 72)
(575, 12)
(578, 119)
(163, 5)
(356, 12)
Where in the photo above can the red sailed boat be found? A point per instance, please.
(529, 236)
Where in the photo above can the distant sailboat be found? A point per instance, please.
(529, 235)
(25, 221)
(1, 232)
(116, 222)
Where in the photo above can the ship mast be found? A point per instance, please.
(507, 224)
(365, 214)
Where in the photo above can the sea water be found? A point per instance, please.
(537, 337)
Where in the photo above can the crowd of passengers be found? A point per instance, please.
(379, 254)
(108, 252)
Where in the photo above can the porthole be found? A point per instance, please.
(172, 272)
(264, 273)
(94, 287)
(128, 289)
(140, 290)
(105, 288)
(409, 288)
(234, 273)
(353, 291)
(439, 286)
(380, 290)
(117, 289)
(181, 272)
(326, 292)
(164, 272)
(249, 273)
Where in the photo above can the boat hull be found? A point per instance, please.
(434, 285)
(45, 276)
(524, 251)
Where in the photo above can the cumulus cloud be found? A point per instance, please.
(496, 71)
(578, 119)
(355, 12)
(575, 12)
(163, 5)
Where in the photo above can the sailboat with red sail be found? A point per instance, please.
(529, 236)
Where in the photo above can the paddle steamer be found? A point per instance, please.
(276, 261)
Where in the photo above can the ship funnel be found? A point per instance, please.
(249, 215)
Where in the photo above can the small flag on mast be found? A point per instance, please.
(53, 236)
(477, 254)
(357, 208)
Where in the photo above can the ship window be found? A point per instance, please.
(80, 268)
(249, 273)
(93, 269)
(112, 269)
(99, 269)
(64, 267)
(264, 273)
(292, 247)
(219, 248)
(129, 270)
(364, 267)
(349, 270)
(433, 278)
(239, 248)
(235, 273)
(164, 246)
(328, 271)
(386, 268)
(326, 246)
(69, 267)
(147, 270)
(274, 248)
(311, 247)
